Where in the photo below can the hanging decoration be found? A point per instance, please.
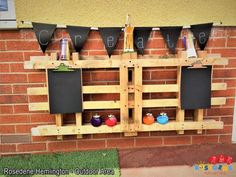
(110, 37)
(78, 35)
(44, 33)
(202, 32)
(171, 36)
(141, 35)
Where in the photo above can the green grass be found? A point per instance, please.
(87, 160)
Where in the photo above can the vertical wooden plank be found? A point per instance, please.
(78, 116)
(179, 112)
(78, 120)
(59, 120)
(138, 96)
(131, 122)
(124, 112)
(58, 117)
(198, 113)
(198, 116)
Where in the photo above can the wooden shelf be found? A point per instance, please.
(40, 62)
(130, 95)
(53, 130)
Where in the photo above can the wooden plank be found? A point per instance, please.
(58, 117)
(181, 126)
(160, 88)
(218, 86)
(101, 89)
(198, 116)
(138, 96)
(40, 106)
(179, 62)
(78, 116)
(50, 130)
(174, 87)
(218, 101)
(180, 114)
(116, 89)
(124, 112)
(89, 129)
(129, 55)
(160, 103)
(114, 63)
(101, 104)
(78, 121)
(37, 91)
(86, 90)
(59, 122)
(43, 106)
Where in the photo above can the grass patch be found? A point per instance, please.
(84, 163)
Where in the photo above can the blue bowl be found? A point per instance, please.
(162, 119)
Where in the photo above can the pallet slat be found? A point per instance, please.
(101, 104)
(181, 126)
(49, 130)
(38, 63)
(43, 106)
(160, 103)
(116, 89)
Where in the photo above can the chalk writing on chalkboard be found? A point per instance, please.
(171, 35)
(202, 32)
(202, 37)
(140, 43)
(110, 37)
(78, 34)
(141, 35)
(43, 33)
(110, 41)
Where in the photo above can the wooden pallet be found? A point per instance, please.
(130, 95)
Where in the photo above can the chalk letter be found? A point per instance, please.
(43, 31)
(110, 41)
(77, 37)
(140, 43)
(171, 45)
(202, 38)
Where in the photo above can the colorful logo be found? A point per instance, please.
(216, 163)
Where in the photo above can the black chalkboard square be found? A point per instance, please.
(65, 91)
(196, 88)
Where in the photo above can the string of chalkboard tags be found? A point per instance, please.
(133, 36)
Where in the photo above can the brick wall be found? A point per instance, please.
(16, 120)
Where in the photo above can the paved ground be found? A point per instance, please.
(174, 171)
(173, 155)
(175, 161)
